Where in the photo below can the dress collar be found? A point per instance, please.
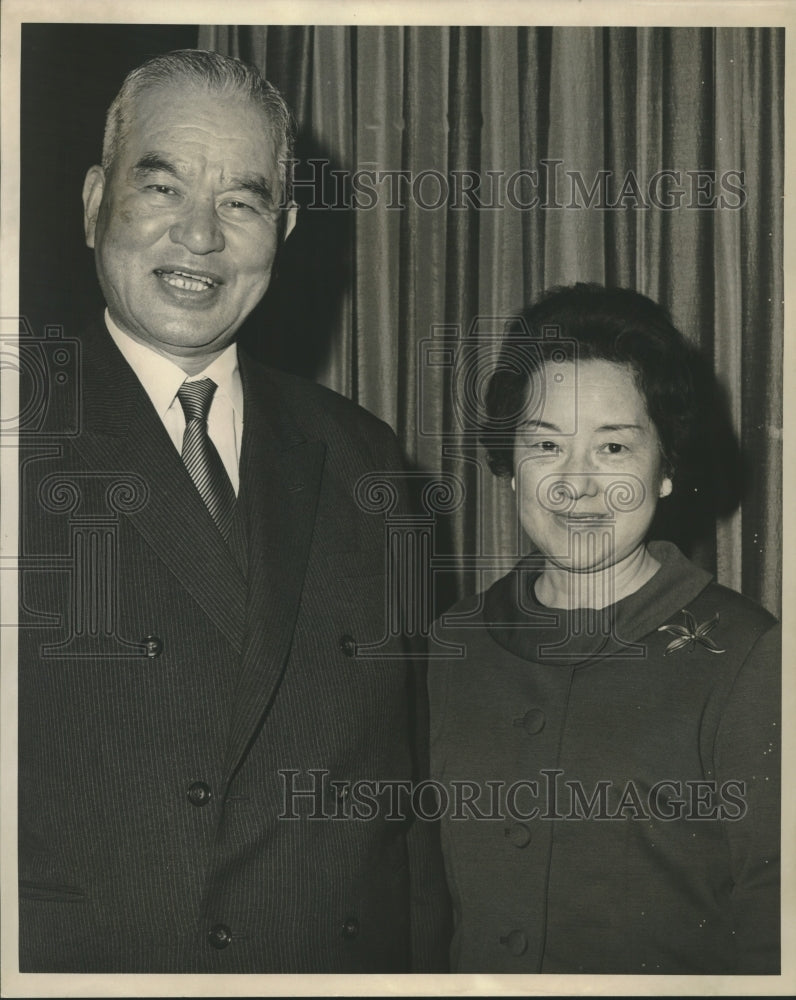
(528, 629)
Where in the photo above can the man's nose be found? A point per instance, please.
(198, 228)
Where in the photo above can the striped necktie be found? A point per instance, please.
(199, 454)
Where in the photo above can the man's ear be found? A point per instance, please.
(290, 220)
(93, 188)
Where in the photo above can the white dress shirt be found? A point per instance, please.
(162, 379)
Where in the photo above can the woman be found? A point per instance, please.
(608, 736)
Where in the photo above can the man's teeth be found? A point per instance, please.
(187, 282)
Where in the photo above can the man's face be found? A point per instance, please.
(185, 222)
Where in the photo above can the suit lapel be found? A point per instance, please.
(280, 484)
(123, 434)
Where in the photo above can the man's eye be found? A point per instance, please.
(240, 205)
(546, 447)
(160, 188)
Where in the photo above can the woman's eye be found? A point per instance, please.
(614, 448)
(539, 447)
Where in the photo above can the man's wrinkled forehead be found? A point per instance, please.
(153, 103)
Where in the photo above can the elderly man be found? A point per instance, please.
(195, 702)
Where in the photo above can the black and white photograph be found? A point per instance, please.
(395, 583)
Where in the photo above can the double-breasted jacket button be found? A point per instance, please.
(532, 722)
(350, 927)
(518, 834)
(516, 942)
(153, 646)
(220, 936)
(348, 644)
(199, 793)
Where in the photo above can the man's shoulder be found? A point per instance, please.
(312, 407)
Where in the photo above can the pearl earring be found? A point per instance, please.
(666, 487)
(513, 484)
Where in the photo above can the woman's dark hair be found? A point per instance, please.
(585, 322)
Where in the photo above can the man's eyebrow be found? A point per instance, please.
(255, 184)
(154, 162)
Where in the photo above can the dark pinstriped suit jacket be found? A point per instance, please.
(168, 682)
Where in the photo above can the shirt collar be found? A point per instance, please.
(161, 378)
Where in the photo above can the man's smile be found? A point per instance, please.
(189, 281)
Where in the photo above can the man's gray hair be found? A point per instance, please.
(217, 74)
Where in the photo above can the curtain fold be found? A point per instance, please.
(513, 159)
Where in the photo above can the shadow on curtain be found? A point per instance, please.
(448, 175)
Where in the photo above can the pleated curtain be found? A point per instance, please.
(378, 284)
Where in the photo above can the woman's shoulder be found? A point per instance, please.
(737, 605)
(727, 631)
(686, 594)
(736, 623)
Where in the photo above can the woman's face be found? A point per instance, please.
(588, 465)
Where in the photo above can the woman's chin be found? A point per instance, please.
(579, 566)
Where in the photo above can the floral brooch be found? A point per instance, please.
(691, 634)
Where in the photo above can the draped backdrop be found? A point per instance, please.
(560, 136)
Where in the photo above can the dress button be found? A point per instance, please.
(532, 722)
(516, 942)
(350, 927)
(199, 793)
(153, 645)
(220, 936)
(518, 834)
(348, 645)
